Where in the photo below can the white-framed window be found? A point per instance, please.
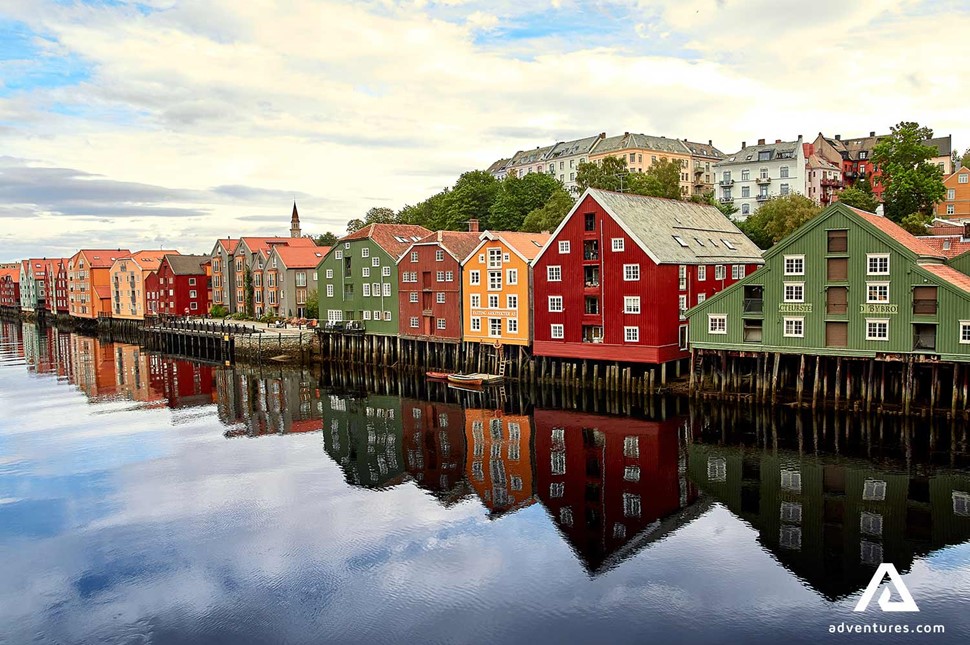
(951, 209)
(476, 323)
(961, 503)
(330, 291)
(481, 258)
(366, 290)
(367, 315)
(512, 325)
(474, 277)
(962, 178)
(377, 315)
(564, 246)
(414, 256)
(511, 302)
(794, 265)
(193, 293)
(476, 300)
(701, 273)
(791, 480)
(631, 447)
(716, 469)
(439, 276)
(701, 297)
(555, 304)
(386, 272)
(440, 298)
(794, 292)
(874, 490)
(338, 254)
(877, 263)
(554, 273)
(682, 277)
(631, 304)
(387, 316)
(495, 327)
(556, 489)
(413, 297)
(506, 258)
(556, 331)
(631, 272)
(439, 255)
(365, 252)
(631, 505)
(493, 301)
(734, 271)
(512, 276)
(414, 322)
(631, 334)
(387, 289)
(877, 329)
(375, 262)
(719, 272)
(365, 272)
(951, 193)
(494, 280)
(965, 332)
(495, 258)
(441, 323)
(877, 292)
(870, 523)
(329, 274)
(682, 306)
(717, 323)
(617, 243)
(795, 327)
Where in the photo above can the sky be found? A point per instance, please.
(162, 123)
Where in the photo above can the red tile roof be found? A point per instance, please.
(951, 275)
(228, 244)
(527, 244)
(103, 258)
(948, 245)
(150, 260)
(393, 238)
(898, 233)
(13, 274)
(103, 291)
(458, 243)
(37, 265)
(257, 244)
(302, 257)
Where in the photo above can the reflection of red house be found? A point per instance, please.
(605, 480)
(182, 383)
(434, 447)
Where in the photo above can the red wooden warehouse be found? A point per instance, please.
(614, 280)
(183, 286)
(429, 285)
(55, 286)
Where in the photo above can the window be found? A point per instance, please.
(961, 503)
(870, 523)
(338, 254)
(440, 298)
(701, 297)
(745, 209)
(735, 271)
(493, 301)
(877, 263)
(631, 447)
(511, 302)
(631, 272)
(877, 292)
(631, 334)
(631, 304)
(794, 292)
(794, 265)
(874, 490)
(631, 505)
(366, 290)
(838, 241)
(330, 291)
(495, 327)
(716, 469)
(554, 274)
(414, 322)
(863, 154)
(951, 193)
(745, 192)
(556, 331)
(387, 289)
(481, 258)
(495, 258)
(682, 306)
(795, 327)
(439, 276)
(413, 297)
(365, 272)
(965, 332)
(414, 256)
(555, 303)
(439, 255)
(719, 273)
(784, 189)
(791, 480)
(877, 329)
(680, 241)
(512, 325)
(386, 272)
(564, 247)
(617, 243)
(329, 274)
(950, 209)
(367, 315)
(476, 323)
(784, 172)
(682, 277)
(791, 512)
(963, 178)
(716, 323)
(474, 277)
(701, 273)
(495, 280)
(512, 276)
(476, 300)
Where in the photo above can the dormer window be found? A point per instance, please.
(764, 155)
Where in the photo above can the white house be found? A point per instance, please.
(756, 173)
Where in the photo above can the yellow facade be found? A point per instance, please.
(497, 286)
(639, 159)
(127, 282)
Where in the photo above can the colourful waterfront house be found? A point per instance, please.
(290, 277)
(182, 286)
(496, 284)
(55, 286)
(32, 284)
(610, 482)
(499, 459)
(359, 279)
(10, 287)
(956, 204)
(364, 437)
(616, 277)
(89, 281)
(248, 262)
(434, 448)
(128, 294)
(429, 285)
(847, 283)
(223, 275)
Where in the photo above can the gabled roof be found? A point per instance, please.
(898, 233)
(102, 258)
(953, 178)
(393, 238)
(948, 245)
(228, 244)
(671, 231)
(575, 147)
(949, 274)
(186, 264)
(457, 243)
(633, 140)
(149, 260)
(525, 245)
(35, 266)
(256, 244)
(13, 274)
(703, 150)
(750, 154)
(497, 166)
(301, 257)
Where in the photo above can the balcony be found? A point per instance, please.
(726, 200)
(754, 305)
(831, 183)
(591, 250)
(726, 183)
(763, 197)
(762, 181)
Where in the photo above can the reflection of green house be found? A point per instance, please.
(832, 521)
(364, 437)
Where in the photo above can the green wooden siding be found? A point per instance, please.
(364, 437)
(348, 285)
(961, 263)
(811, 241)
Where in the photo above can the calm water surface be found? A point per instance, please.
(146, 499)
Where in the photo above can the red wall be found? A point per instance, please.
(434, 446)
(658, 288)
(427, 269)
(10, 293)
(179, 301)
(55, 285)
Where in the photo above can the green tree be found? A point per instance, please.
(548, 216)
(376, 215)
(312, 307)
(327, 239)
(965, 159)
(777, 218)
(250, 292)
(471, 197)
(859, 199)
(518, 197)
(661, 179)
(605, 174)
(429, 213)
(912, 183)
(916, 223)
(727, 208)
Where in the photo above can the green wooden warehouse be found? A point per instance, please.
(849, 307)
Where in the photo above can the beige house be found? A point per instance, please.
(127, 282)
(642, 151)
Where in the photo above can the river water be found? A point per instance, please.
(148, 499)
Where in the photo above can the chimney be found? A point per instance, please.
(880, 211)
(872, 133)
(838, 137)
(744, 144)
(602, 135)
(777, 140)
(710, 142)
(761, 142)
(473, 225)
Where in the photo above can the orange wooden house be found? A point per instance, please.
(89, 281)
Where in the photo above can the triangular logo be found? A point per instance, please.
(906, 604)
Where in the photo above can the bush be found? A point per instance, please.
(218, 311)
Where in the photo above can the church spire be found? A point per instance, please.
(295, 222)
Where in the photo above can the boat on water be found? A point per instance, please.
(438, 376)
(475, 379)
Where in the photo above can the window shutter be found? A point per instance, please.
(838, 268)
(836, 334)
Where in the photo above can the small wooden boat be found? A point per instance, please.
(474, 380)
(437, 376)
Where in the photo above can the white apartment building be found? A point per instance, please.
(756, 173)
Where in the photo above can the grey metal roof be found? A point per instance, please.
(498, 166)
(643, 141)
(186, 264)
(531, 156)
(569, 148)
(657, 223)
(703, 150)
(943, 145)
(750, 154)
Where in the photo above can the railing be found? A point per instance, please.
(925, 306)
(726, 200)
(761, 181)
(176, 324)
(754, 305)
(591, 255)
(726, 182)
(762, 198)
(831, 183)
